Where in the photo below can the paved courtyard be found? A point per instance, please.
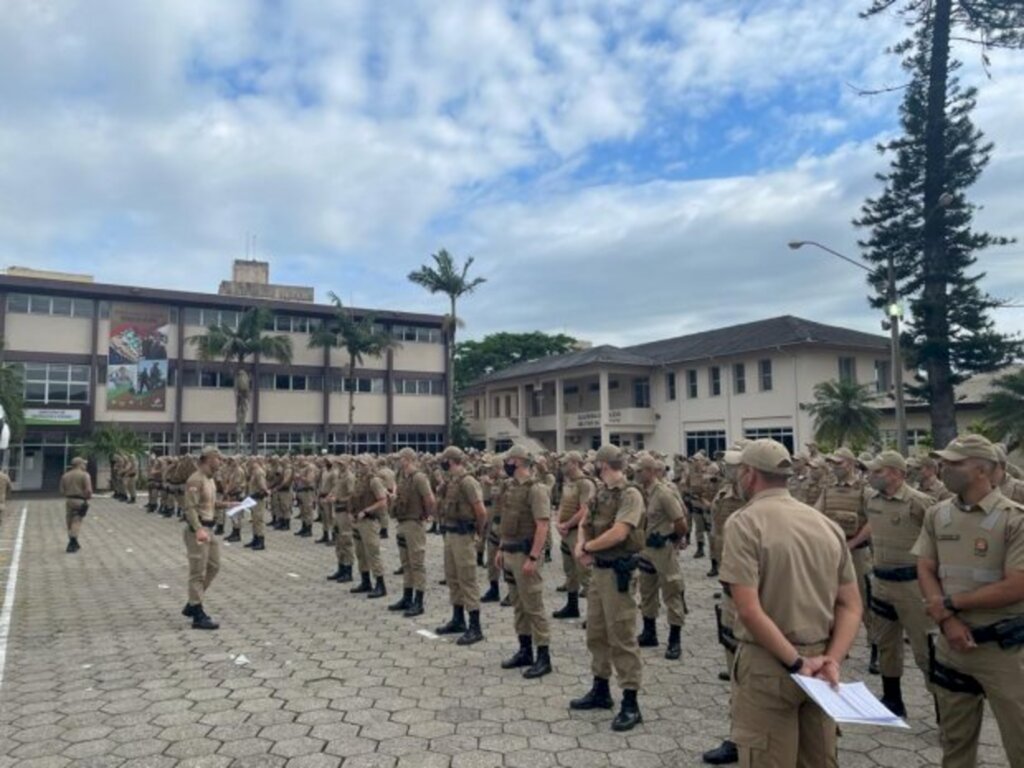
(101, 670)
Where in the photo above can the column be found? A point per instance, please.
(559, 416)
(521, 409)
(179, 375)
(604, 408)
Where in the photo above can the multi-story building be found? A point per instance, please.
(94, 354)
(699, 391)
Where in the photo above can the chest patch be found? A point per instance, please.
(980, 547)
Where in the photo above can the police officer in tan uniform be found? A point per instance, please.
(578, 491)
(5, 490)
(76, 488)
(201, 545)
(369, 507)
(664, 527)
(525, 521)
(923, 471)
(845, 504)
(970, 566)
(896, 512)
(462, 519)
(234, 490)
(414, 504)
(791, 578)
(305, 492)
(259, 490)
(493, 486)
(324, 481)
(341, 497)
(1009, 486)
(610, 540)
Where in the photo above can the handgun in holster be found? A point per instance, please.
(624, 568)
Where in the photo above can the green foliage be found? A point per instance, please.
(1003, 417)
(498, 351)
(241, 344)
(12, 396)
(844, 414)
(460, 435)
(110, 439)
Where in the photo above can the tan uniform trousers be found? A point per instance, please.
(130, 488)
(3, 509)
(460, 570)
(366, 533)
(259, 517)
(526, 594)
(281, 505)
(326, 514)
(493, 542)
(576, 576)
(344, 536)
(1001, 673)
(660, 572)
(700, 523)
(73, 517)
(728, 625)
(412, 552)
(220, 516)
(306, 499)
(718, 520)
(203, 564)
(774, 723)
(611, 630)
(904, 600)
(862, 566)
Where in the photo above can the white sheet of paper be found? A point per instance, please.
(852, 703)
(247, 503)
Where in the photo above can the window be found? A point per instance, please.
(288, 442)
(691, 385)
(613, 384)
(739, 378)
(202, 377)
(55, 383)
(764, 375)
(638, 441)
(476, 408)
(848, 369)
(883, 376)
(508, 401)
(193, 442)
(642, 393)
(783, 435)
(292, 324)
(595, 387)
(362, 442)
(433, 387)
(670, 385)
(208, 316)
(915, 437)
(710, 441)
(423, 442)
(715, 380)
(571, 389)
(364, 384)
(285, 382)
(61, 306)
(416, 333)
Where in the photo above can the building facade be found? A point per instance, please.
(681, 395)
(92, 354)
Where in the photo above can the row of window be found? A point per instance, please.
(714, 440)
(417, 334)
(739, 380)
(35, 304)
(54, 383)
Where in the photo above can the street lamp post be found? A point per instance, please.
(893, 312)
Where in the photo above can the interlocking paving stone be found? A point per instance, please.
(103, 671)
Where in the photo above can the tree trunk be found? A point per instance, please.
(351, 401)
(449, 385)
(243, 389)
(935, 311)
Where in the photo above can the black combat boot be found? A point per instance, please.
(873, 667)
(415, 607)
(649, 637)
(474, 634)
(324, 538)
(598, 697)
(383, 533)
(629, 715)
(72, 546)
(235, 535)
(700, 549)
(379, 590)
(523, 657)
(714, 569)
(491, 595)
(399, 571)
(338, 574)
(542, 666)
(286, 523)
(674, 649)
(364, 585)
(479, 559)
(200, 620)
(892, 696)
(303, 531)
(218, 530)
(347, 577)
(571, 609)
(404, 603)
(724, 754)
(188, 610)
(258, 544)
(456, 625)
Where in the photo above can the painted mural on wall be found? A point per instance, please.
(137, 358)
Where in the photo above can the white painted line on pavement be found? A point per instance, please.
(12, 585)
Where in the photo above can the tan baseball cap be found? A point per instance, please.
(765, 455)
(79, 461)
(407, 453)
(967, 447)
(209, 450)
(517, 452)
(650, 462)
(608, 453)
(453, 453)
(887, 460)
(841, 454)
(572, 457)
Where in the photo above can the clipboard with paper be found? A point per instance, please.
(236, 512)
(851, 703)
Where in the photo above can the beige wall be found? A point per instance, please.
(370, 408)
(291, 408)
(419, 356)
(339, 360)
(46, 333)
(216, 406)
(419, 409)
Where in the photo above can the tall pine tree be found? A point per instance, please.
(959, 337)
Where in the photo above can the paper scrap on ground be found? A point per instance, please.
(241, 659)
(853, 703)
(293, 575)
(247, 503)
(163, 586)
(427, 633)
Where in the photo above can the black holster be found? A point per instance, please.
(624, 568)
(726, 638)
(882, 608)
(655, 540)
(948, 678)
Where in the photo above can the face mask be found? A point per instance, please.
(840, 471)
(878, 482)
(955, 479)
(510, 470)
(446, 465)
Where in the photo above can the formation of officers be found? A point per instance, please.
(807, 547)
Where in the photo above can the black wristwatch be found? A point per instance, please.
(947, 603)
(796, 666)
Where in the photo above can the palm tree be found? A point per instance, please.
(843, 411)
(1004, 407)
(237, 346)
(445, 277)
(359, 338)
(109, 440)
(12, 395)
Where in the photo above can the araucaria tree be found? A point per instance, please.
(922, 220)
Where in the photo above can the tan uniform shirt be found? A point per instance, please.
(200, 499)
(795, 557)
(76, 483)
(663, 508)
(895, 525)
(935, 488)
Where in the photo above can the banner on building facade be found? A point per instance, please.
(52, 417)
(137, 358)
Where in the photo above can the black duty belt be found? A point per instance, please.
(903, 573)
(1008, 633)
(630, 561)
(514, 547)
(76, 498)
(459, 528)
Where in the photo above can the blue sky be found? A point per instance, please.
(621, 171)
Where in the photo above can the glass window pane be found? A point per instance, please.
(377, 386)
(299, 383)
(193, 316)
(80, 373)
(61, 305)
(39, 305)
(82, 308)
(57, 392)
(227, 379)
(229, 318)
(35, 391)
(207, 378)
(78, 393)
(282, 381)
(17, 302)
(59, 371)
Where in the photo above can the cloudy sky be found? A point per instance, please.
(620, 170)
